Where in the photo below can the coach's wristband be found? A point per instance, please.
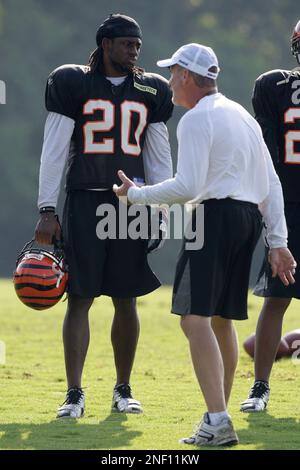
(47, 209)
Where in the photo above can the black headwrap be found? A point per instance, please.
(116, 26)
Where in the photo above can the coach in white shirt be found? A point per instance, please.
(224, 163)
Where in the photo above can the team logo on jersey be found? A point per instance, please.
(147, 89)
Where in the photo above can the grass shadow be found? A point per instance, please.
(268, 432)
(68, 434)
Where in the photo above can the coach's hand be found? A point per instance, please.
(47, 229)
(283, 265)
(121, 191)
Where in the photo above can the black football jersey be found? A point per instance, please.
(110, 122)
(276, 103)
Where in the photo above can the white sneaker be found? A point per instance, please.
(73, 407)
(206, 434)
(258, 398)
(123, 402)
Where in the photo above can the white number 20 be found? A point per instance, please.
(107, 146)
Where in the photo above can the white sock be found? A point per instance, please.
(217, 418)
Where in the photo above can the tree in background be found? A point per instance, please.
(36, 36)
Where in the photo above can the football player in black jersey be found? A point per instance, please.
(276, 102)
(104, 116)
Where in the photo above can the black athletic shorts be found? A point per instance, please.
(214, 280)
(267, 286)
(113, 267)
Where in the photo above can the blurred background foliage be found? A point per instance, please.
(37, 35)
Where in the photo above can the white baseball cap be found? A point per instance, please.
(194, 57)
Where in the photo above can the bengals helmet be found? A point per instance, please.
(295, 42)
(40, 278)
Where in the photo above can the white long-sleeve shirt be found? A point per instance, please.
(221, 153)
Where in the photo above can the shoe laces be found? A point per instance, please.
(74, 396)
(124, 390)
(197, 427)
(259, 390)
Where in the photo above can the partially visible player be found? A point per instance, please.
(276, 102)
(103, 116)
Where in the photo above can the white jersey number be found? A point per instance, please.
(291, 137)
(107, 146)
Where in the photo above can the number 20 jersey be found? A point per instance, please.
(110, 122)
(276, 103)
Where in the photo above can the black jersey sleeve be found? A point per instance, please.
(163, 106)
(64, 90)
(264, 101)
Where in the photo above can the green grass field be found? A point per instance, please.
(33, 383)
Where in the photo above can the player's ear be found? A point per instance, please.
(185, 75)
(106, 43)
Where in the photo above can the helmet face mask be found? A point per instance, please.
(295, 42)
(40, 278)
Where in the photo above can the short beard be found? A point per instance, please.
(121, 68)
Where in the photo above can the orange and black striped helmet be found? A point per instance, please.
(41, 277)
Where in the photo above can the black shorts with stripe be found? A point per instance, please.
(266, 285)
(113, 267)
(214, 280)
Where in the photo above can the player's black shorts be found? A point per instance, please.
(273, 287)
(214, 280)
(117, 268)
